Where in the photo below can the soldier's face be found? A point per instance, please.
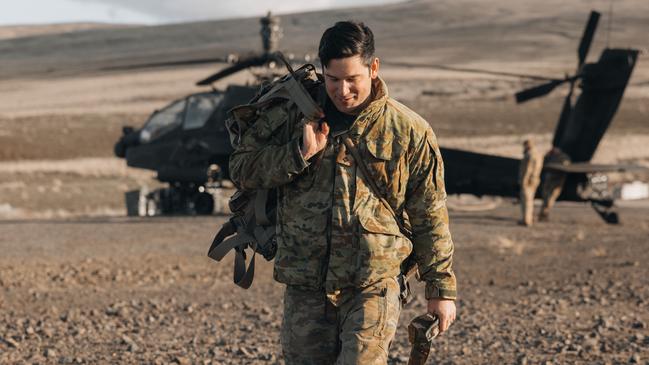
(349, 82)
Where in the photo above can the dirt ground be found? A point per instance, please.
(118, 290)
(82, 283)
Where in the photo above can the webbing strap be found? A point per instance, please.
(263, 234)
(220, 247)
(302, 99)
(238, 241)
(260, 207)
(239, 265)
(372, 184)
(411, 269)
(228, 229)
(242, 276)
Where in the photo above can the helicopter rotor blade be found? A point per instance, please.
(539, 90)
(587, 37)
(197, 61)
(468, 70)
(241, 65)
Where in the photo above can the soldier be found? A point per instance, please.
(339, 249)
(552, 181)
(529, 177)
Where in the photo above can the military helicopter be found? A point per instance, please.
(186, 142)
(580, 129)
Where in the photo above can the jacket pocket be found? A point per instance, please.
(382, 306)
(387, 164)
(381, 249)
(380, 149)
(270, 121)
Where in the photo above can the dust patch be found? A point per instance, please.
(83, 167)
(505, 245)
(62, 189)
(9, 212)
(472, 203)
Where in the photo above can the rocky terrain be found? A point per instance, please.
(117, 290)
(82, 283)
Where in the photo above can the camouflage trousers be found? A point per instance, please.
(550, 191)
(528, 191)
(358, 329)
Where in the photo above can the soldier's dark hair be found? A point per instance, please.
(346, 39)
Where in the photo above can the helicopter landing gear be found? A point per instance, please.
(179, 199)
(204, 203)
(606, 211)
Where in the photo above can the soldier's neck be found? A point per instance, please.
(356, 111)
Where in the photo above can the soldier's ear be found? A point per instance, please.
(374, 68)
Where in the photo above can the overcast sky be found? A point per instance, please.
(155, 11)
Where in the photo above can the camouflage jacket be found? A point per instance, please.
(332, 231)
(530, 168)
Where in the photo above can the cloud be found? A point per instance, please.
(158, 11)
(65, 11)
(189, 10)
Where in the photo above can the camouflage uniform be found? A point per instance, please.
(552, 181)
(338, 246)
(529, 177)
(358, 330)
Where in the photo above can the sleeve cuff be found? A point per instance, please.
(433, 292)
(300, 162)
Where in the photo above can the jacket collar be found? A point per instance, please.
(373, 110)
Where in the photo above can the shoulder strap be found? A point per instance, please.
(409, 266)
(221, 246)
(349, 144)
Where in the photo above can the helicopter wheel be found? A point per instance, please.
(120, 149)
(204, 203)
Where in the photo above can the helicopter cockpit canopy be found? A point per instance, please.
(199, 109)
(192, 112)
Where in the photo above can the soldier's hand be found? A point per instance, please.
(314, 138)
(444, 309)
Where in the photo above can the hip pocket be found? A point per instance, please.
(379, 330)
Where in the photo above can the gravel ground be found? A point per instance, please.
(118, 290)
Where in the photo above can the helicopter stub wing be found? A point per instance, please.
(586, 168)
(481, 174)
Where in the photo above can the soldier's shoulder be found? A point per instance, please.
(407, 122)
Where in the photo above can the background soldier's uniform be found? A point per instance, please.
(552, 181)
(339, 249)
(529, 177)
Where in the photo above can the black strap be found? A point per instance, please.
(221, 246)
(227, 230)
(260, 207)
(239, 241)
(241, 277)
